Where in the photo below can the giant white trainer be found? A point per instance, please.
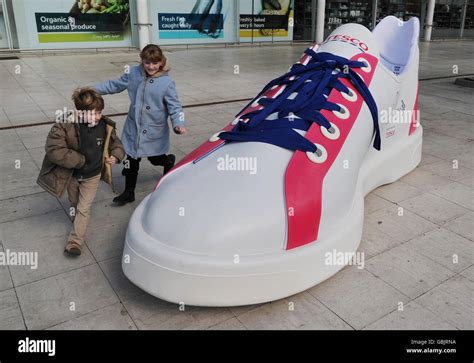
(252, 214)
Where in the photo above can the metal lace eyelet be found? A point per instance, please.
(367, 67)
(332, 133)
(350, 96)
(343, 114)
(319, 156)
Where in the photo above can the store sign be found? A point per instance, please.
(185, 25)
(266, 20)
(73, 24)
(192, 21)
(84, 27)
(249, 21)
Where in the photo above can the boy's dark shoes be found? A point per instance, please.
(73, 248)
(127, 196)
(171, 160)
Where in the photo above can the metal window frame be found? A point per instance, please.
(6, 20)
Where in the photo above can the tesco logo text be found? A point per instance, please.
(348, 39)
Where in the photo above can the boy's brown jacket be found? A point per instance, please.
(62, 156)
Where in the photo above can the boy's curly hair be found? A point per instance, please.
(87, 99)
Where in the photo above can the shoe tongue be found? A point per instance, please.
(349, 40)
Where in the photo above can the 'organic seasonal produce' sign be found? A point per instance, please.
(83, 21)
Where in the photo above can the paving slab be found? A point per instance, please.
(34, 137)
(19, 173)
(466, 159)
(5, 278)
(457, 193)
(412, 317)
(4, 121)
(468, 182)
(27, 206)
(453, 301)
(46, 236)
(231, 324)
(239, 310)
(302, 311)
(450, 169)
(10, 313)
(112, 317)
(433, 208)
(63, 297)
(425, 179)
(358, 297)
(374, 241)
(408, 271)
(447, 140)
(441, 151)
(125, 289)
(400, 227)
(149, 312)
(469, 273)
(373, 202)
(105, 234)
(397, 192)
(10, 143)
(445, 247)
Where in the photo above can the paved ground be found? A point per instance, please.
(415, 269)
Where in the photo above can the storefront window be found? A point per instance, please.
(303, 29)
(447, 18)
(402, 9)
(469, 23)
(3, 29)
(347, 11)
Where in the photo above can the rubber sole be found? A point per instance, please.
(73, 252)
(120, 203)
(181, 277)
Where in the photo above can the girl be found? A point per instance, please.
(153, 98)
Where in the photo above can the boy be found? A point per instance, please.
(80, 151)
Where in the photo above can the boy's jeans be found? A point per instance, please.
(81, 194)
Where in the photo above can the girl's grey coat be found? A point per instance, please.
(152, 100)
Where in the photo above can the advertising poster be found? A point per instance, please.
(193, 21)
(266, 20)
(83, 23)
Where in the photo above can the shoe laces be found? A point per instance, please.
(300, 103)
